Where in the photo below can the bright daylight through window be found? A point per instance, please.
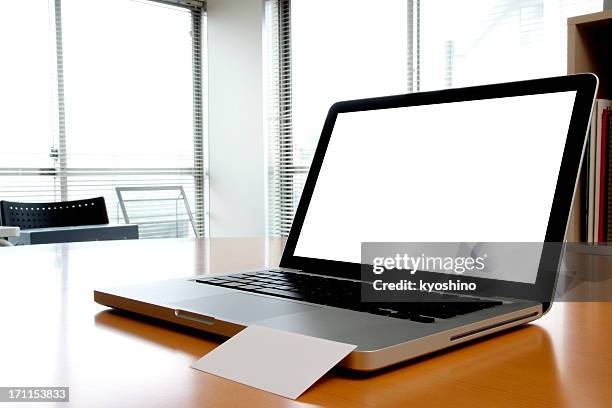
(103, 100)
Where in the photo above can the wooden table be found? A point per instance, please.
(53, 334)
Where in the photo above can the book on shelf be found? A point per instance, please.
(598, 174)
(608, 224)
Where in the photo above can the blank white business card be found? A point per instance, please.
(276, 361)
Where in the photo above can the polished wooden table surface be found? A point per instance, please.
(53, 334)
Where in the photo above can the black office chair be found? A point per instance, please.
(60, 214)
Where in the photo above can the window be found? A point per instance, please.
(323, 51)
(27, 91)
(105, 102)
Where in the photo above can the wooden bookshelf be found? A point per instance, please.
(589, 49)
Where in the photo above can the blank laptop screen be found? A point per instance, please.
(474, 171)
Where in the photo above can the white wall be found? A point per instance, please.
(235, 112)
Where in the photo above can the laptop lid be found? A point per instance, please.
(479, 164)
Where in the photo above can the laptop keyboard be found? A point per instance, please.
(346, 294)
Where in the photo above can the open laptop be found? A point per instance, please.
(486, 163)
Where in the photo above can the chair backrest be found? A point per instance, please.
(159, 211)
(59, 214)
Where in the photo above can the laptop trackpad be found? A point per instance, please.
(242, 307)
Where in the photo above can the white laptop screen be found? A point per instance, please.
(473, 171)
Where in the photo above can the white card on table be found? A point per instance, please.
(276, 361)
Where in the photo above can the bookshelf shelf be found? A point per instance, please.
(589, 49)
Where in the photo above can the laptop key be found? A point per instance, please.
(283, 287)
(211, 281)
(249, 287)
(232, 279)
(282, 293)
(422, 319)
(232, 284)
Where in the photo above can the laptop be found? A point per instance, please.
(492, 163)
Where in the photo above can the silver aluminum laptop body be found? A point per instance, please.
(381, 341)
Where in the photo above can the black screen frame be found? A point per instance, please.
(585, 86)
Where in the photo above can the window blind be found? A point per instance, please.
(126, 102)
(285, 176)
(323, 51)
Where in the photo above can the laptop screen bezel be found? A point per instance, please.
(585, 86)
